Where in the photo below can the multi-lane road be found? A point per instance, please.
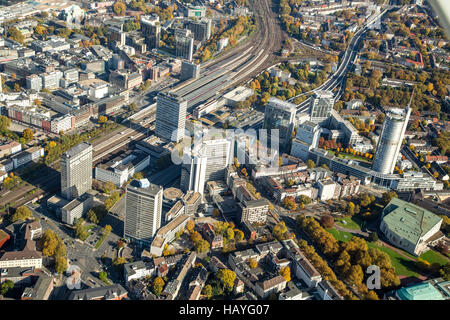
(337, 79)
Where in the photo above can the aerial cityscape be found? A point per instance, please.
(224, 150)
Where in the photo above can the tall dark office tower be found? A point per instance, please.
(151, 30)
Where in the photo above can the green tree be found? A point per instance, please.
(310, 164)
(208, 291)
(445, 271)
(201, 246)
(109, 187)
(6, 287)
(388, 196)
(230, 233)
(106, 230)
(16, 35)
(92, 217)
(5, 122)
(80, 230)
(103, 276)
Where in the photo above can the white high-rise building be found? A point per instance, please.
(308, 134)
(207, 162)
(390, 140)
(143, 211)
(76, 171)
(184, 44)
(321, 105)
(170, 117)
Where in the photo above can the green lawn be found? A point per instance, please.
(353, 157)
(433, 256)
(340, 235)
(353, 223)
(402, 265)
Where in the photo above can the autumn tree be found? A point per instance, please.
(22, 213)
(119, 8)
(102, 119)
(202, 246)
(49, 243)
(196, 236)
(227, 278)
(190, 225)
(208, 291)
(230, 233)
(388, 196)
(327, 221)
(310, 164)
(61, 264)
(286, 273)
(253, 263)
(158, 285)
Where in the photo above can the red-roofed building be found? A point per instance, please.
(4, 237)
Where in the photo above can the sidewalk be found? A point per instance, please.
(352, 231)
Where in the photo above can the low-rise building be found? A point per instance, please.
(123, 167)
(326, 291)
(410, 227)
(41, 290)
(433, 289)
(273, 285)
(113, 292)
(77, 208)
(167, 234)
(138, 270)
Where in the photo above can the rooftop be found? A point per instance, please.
(76, 150)
(408, 220)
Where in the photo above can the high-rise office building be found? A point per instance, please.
(321, 105)
(143, 211)
(308, 134)
(151, 30)
(390, 140)
(280, 115)
(170, 117)
(189, 70)
(206, 162)
(201, 29)
(116, 34)
(76, 171)
(184, 44)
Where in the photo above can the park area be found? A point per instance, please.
(403, 262)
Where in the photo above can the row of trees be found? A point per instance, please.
(53, 246)
(351, 257)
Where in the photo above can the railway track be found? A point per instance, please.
(243, 61)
